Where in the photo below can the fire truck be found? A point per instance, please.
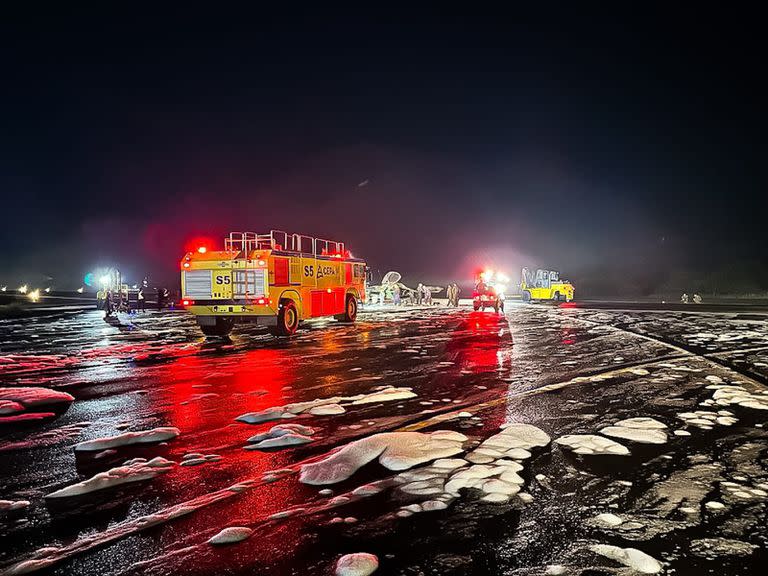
(276, 279)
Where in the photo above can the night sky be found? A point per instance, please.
(624, 146)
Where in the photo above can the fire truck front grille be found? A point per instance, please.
(197, 283)
(249, 283)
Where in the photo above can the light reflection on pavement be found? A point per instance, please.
(565, 370)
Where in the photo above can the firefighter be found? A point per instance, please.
(396, 295)
(419, 293)
(140, 300)
(427, 296)
(454, 295)
(108, 305)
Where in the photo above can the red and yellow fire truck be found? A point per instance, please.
(276, 279)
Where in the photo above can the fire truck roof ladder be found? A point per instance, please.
(240, 244)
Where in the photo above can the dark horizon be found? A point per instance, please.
(622, 146)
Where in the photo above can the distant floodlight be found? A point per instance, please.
(48, 290)
(34, 295)
(105, 280)
(80, 290)
(23, 289)
(4, 288)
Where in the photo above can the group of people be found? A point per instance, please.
(420, 296)
(453, 290)
(685, 299)
(112, 301)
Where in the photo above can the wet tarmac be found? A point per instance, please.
(687, 485)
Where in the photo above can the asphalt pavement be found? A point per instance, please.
(686, 486)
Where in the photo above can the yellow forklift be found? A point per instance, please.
(539, 285)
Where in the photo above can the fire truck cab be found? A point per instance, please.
(276, 279)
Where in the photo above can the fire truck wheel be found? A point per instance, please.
(222, 327)
(287, 319)
(350, 310)
(557, 297)
(526, 296)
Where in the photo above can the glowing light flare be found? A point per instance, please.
(80, 290)
(199, 245)
(48, 290)
(34, 296)
(105, 280)
(23, 289)
(4, 288)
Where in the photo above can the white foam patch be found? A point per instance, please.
(358, 564)
(327, 410)
(495, 498)
(128, 438)
(231, 535)
(433, 505)
(282, 441)
(385, 395)
(516, 435)
(636, 434)
(326, 406)
(738, 396)
(630, 557)
(32, 396)
(592, 444)
(395, 451)
(281, 436)
(609, 519)
(707, 419)
(10, 407)
(11, 505)
(264, 416)
(642, 423)
(134, 471)
(449, 463)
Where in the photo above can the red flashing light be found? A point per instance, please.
(202, 249)
(261, 262)
(186, 264)
(329, 290)
(187, 302)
